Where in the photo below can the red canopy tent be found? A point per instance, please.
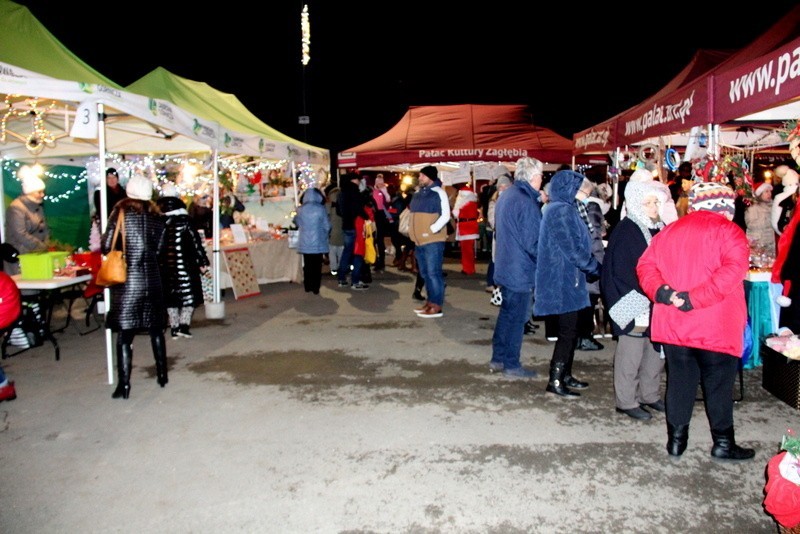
(606, 136)
(465, 132)
(747, 81)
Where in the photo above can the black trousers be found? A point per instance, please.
(382, 227)
(586, 318)
(564, 350)
(714, 371)
(312, 272)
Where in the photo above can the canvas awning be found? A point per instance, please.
(465, 132)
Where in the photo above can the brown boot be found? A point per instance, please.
(411, 257)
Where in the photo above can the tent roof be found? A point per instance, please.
(682, 104)
(603, 137)
(464, 132)
(25, 42)
(210, 103)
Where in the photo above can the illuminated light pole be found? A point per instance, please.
(305, 49)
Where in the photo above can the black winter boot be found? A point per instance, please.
(725, 446)
(677, 438)
(571, 381)
(160, 354)
(124, 359)
(556, 384)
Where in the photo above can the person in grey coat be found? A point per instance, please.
(564, 264)
(315, 227)
(138, 303)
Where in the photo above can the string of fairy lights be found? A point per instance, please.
(191, 175)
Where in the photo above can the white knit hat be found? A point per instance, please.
(31, 184)
(139, 188)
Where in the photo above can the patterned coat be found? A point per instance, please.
(139, 302)
(181, 256)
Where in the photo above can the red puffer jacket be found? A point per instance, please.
(708, 256)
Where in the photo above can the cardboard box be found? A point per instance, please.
(781, 376)
(40, 265)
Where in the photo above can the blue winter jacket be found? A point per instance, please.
(564, 251)
(517, 217)
(314, 224)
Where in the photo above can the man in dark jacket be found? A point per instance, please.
(517, 217)
(349, 206)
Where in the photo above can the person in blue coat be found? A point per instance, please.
(315, 227)
(564, 264)
(516, 233)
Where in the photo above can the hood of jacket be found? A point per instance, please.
(564, 186)
(635, 193)
(312, 195)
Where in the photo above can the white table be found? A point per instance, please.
(48, 293)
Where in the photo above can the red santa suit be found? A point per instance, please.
(465, 212)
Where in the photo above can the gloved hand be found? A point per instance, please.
(687, 304)
(664, 294)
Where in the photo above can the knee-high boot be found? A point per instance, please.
(556, 383)
(677, 438)
(160, 354)
(571, 381)
(725, 446)
(124, 359)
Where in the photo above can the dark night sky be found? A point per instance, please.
(573, 66)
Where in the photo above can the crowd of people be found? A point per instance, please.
(557, 250)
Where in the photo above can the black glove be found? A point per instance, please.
(687, 304)
(663, 295)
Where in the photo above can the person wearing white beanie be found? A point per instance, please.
(139, 187)
(138, 303)
(26, 225)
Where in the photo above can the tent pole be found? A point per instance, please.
(101, 138)
(215, 230)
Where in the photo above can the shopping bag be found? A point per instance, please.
(405, 219)
(293, 237)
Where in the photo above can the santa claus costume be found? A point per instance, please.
(465, 212)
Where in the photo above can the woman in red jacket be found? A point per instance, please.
(694, 271)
